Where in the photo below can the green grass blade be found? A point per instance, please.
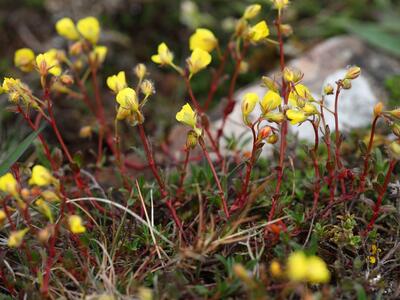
(16, 153)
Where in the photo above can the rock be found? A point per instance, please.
(326, 63)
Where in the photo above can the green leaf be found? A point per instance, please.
(14, 155)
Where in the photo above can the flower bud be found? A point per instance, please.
(286, 30)
(292, 75)
(25, 193)
(45, 234)
(269, 83)
(395, 113)
(328, 89)
(191, 139)
(85, 132)
(147, 88)
(396, 129)
(76, 48)
(244, 67)
(353, 73)
(140, 71)
(241, 27)
(346, 84)
(275, 269)
(275, 117)
(394, 149)
(272, 139)
(251, 11)
(67, 79)
(264, 133)
(378, 108)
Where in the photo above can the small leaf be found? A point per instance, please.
(14, 155)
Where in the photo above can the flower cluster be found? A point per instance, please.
(128, 99)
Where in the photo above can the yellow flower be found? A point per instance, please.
(309, 109)
(98, 54)
(24, 59)
(44, 208)
(11, 84)
(297, 266)
(258, 32)
(251, 11)
(203, 39)
(126, 98)
(296, 116)
(41, 176)
(164, 55)
(117, 82)
(66, 28)
(270, 101)
(8, 184)
(187, 116)
(317, 271)
(300, 91)
(302, 268)
(89, 28)
(198, 60)
(48, 63)
(248, 104)
(16, 238)
(280, 4)
(75, 224)
(372, 259)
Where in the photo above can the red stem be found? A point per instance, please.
(382, 192)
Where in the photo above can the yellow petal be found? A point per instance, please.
(75, 224)
(249, 103)
(198, 60)
(89, 28)
(41, 176)
(164, 55)
(258, 31)
(270, 101)
(66, 28)
(297, 266)
(296, 116)
(317, 271)
(251, 11)
(203, 39)
(24, 59)
(127, 99)
(16, 238)
(187, 116)
(8, 184)
(117, 82)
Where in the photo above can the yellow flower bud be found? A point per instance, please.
(396, 129)
(8, 184)
(147, 88)
(275, 269)
(275, 117)
(270, 84)
(3, 216)
(264, 133)
(24, 59)
(45, 233)
(50, 196)
(48, 63)
(198, 60)
(25, 193)
(65, 27)
(164, 55)
(272, 139)
(203, 39)
(41, 176)
(98, 54)
(378, 108)
(75, 224)
(394, 149)
(117, 82)
(248, 104)
(346, 84)
(44, 208)
(16, 238)
(286, 30)
(328, 89)
(394, 113)
(140, 71)
(251, 11)
(280, 4)
(310, 109)
(258, 32)
(296, 116)
(89, 28)
(192, 139)
(353, 73)
(271, 101)
(76, 48)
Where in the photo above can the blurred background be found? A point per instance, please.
(132, 29)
